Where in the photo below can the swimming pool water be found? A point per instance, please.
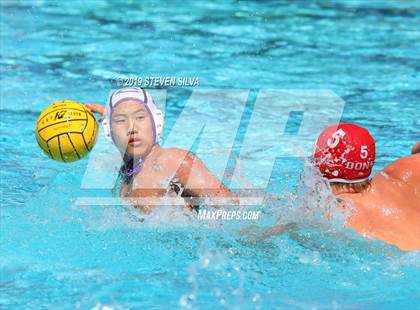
(56, 254)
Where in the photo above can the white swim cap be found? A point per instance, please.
(141, 96)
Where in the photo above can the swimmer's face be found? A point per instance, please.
(132, 129)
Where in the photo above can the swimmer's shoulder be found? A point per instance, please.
(178, 154)
(175, 157)
(185, 162)
(177, 151)
(406, 169)
(398, 184)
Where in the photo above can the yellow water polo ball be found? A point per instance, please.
(66, 131)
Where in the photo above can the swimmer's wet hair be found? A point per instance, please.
(352, 187)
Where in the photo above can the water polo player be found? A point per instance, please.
(134, 124)
(386, 207)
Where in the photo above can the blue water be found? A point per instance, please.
(56, 254)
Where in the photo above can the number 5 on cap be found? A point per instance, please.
(363, 152)
(337, 136)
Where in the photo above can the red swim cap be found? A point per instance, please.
(345, 153)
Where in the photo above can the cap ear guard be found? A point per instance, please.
(159, 122)
(106, 127)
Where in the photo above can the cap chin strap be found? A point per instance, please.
(159, 123)
(347, 181)
(105, 127)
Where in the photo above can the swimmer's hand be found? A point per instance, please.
(96, 108)
(416, 148)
